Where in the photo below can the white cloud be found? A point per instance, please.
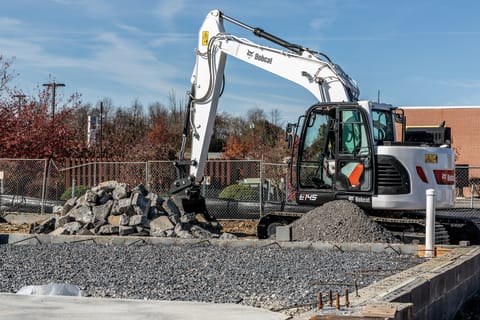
(130, 64)
(8, 24)
(91, 7)
(167, 10)
(170, 38)
(110, 60)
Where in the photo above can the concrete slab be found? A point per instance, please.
(25, 307)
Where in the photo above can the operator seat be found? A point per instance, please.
(349, 177)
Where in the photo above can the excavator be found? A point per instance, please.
(343, 148)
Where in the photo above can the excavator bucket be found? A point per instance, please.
(196, 205)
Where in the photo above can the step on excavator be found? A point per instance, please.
(343, 148)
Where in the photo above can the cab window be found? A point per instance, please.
(383, 126)
(353, 134)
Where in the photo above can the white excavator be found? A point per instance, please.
(346, 149)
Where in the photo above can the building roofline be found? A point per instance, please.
(440, 107)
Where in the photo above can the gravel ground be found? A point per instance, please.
(339, 221)
(271, 278)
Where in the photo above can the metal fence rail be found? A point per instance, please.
(36, 185)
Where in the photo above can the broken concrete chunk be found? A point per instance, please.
(140, 189)
(46, 226)
(58, 231)
(137, 210)
(155, 200)
(69, 205)
(108, 229)
(124, 220)
(57, 210)
(107, 186)
(126, 230)
(143, 204)
(82, 214)
(101, 212)
(160, 225)
(90, 197)
(114, 220)
(199, 232)
(121, 191)
(228, 236)
(103, 197)
(85, 232)
(138, 220)
(72, 227)
(122, 206)
(154, 213)
(62, 220)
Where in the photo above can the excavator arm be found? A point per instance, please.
(312, 70)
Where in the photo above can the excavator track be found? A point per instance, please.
(451, 227)
(412, 229)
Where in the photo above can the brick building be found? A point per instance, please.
(465, 124)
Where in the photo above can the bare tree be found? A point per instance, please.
(275, 116)
(6, 75)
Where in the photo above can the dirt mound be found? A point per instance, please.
(241, 228)
(339, 221)
(8, 227)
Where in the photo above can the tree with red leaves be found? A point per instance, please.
(28, 130)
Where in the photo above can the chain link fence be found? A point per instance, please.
(467, 187)
(23, 184)
(233, 188)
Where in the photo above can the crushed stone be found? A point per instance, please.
(340, 221)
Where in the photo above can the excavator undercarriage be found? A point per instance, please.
(451, 227)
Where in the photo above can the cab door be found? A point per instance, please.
(354, 154)
(316, 155)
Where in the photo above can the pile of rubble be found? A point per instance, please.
(339, 221)
(112, 208)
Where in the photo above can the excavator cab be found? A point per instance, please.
(335, 152)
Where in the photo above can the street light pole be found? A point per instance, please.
(20, 102)
(20, 97)
(54, 86)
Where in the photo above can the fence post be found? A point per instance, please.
(472, 190)
(147, 175)
(261, 188)
(44, 186)
(1, 190)
(286, 188)
(430, 224)
(95, 172)
(73, 188)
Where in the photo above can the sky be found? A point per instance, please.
(408, 53)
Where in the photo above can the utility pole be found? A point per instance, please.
(54, 86)
(101, 130)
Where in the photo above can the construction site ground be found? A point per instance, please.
(432, 290)
(240, 228)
